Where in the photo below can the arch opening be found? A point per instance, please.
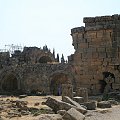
(45, 59)
(107, 82)
(56, 83)
(10, 83)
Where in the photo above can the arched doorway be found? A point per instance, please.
(9, 83)
(45, 59)
(56, 83)
(107, 76)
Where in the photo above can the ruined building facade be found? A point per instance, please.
(33, 69)
(95, 62)
(97, 52)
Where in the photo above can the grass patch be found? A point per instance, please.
(36, 112)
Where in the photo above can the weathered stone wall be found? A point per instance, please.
(33, 69)
(32, 55)
(4, 59)
(97, 50)
(96, 57)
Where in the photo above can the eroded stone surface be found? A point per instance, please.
(57, 105)
(104, 104)
(73, 114)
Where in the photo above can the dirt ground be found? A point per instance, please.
(99, 114)
(31, 103)
(104, 114)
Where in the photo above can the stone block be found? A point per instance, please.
(106, 18)
(90, 34)
(82, 92)
(67, 90)
(113, 102)
(100, 34)
(83, 45)
(104, 104)
(91, 105)
(94, 55)
(57, 105)
(80, 36)
(93, 49)
(116, 86)
(77, 30)
(86, 55)
(73, 114)
(101, 49)
(88, 19)
(108, 49)
(90, 24)
(109, 55)
(72, 102)
(102, 55)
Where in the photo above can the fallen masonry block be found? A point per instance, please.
(82, 92)
(113, 102)
(73, 114)
(104, 104)
(67, 90)
(91, 105)
(60, 105)
(72, 102)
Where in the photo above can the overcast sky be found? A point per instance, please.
(40, 22)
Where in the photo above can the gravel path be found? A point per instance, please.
(104, 114)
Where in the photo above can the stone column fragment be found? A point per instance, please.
(82, 92)
(67, 90)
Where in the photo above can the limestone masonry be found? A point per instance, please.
(95, 65)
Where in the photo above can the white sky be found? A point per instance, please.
(40, 22)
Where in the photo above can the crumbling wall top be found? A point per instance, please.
(98, 23)
(78, 29)
(101, 18)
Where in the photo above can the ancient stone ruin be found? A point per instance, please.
(97, 53)
(33, 70)
(95, 65)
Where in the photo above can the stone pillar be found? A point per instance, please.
(82, 92)
(67, 90)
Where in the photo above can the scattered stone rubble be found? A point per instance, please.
(64, 109)
(72, 110)
(60, 105)
(14, 108)
(18, 108)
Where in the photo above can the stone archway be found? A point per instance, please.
(9, 83)
(56, 83)
(45, 59)
(108, 78)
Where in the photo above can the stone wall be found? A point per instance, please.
(96, 59)
(4, 59)
(33, 70)
(97, 50)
